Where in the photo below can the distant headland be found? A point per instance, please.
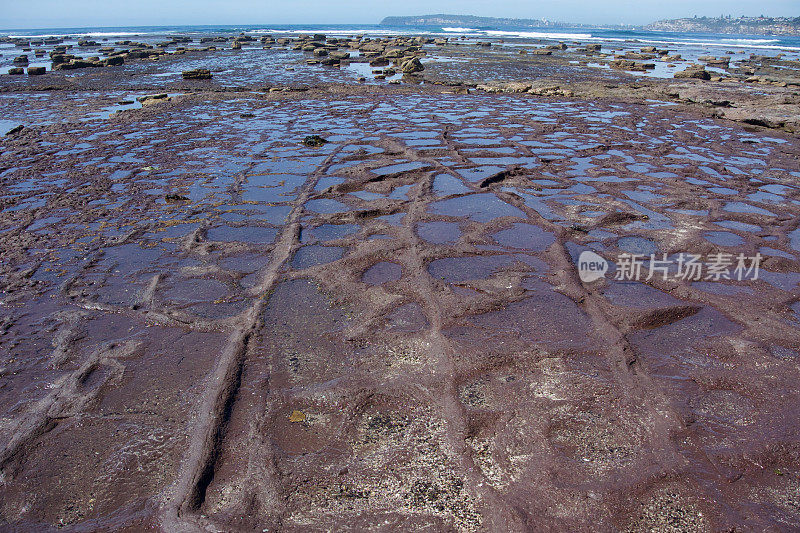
(741, 25)
(730, 25)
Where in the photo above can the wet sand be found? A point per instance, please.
(207, 325)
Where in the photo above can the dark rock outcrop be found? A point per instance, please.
(197, 74)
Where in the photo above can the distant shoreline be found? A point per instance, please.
(471, 21)
(732, 26)
(722, 25)
(444, 29)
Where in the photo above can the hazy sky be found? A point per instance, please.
(76, 13)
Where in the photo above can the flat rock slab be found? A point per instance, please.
(336, 336)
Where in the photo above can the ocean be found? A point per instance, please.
(764, 43)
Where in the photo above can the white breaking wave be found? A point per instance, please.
(766, 44)
(538, 34)
(87, 34)
(722, 43)
(751, 41)
(333, 31)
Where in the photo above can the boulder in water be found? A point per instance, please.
(694, 71)
(314, 141)
(411, 66)
(197, 74)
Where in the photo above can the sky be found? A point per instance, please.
(88, 13)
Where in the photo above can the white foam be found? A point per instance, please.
(751, 41)
(538, 34)
(722, 43)
(88, 34)
(335, 31)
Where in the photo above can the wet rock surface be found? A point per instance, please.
(197, 74)
(211, 323)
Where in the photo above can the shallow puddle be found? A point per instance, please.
(723, 238)
(382, 272)
(637, 245)
(313, 255)
(525, 236)
(248, 234)
(439, 232)
(458, 269)
(478, 207)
